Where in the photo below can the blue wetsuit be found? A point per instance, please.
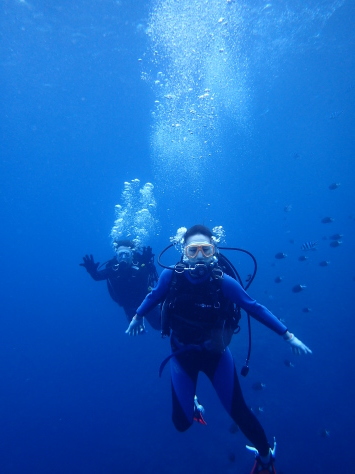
(217, 365)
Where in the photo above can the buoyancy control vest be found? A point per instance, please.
(200, 313)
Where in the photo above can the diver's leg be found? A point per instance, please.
(183, 384)
(153, 318)
(225, 381)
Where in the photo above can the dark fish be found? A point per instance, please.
(231, 457)
(327, 220)
(288, 208)
(280, 255)
(302, 258)
(234, 428)
(258, 386)
(324, 433)
(306, 310)
(334, 115)
(309, 246)
(288, 363)
(278, 279)
(336, 236)
(335, 243)
(334, 186)
(324, 263)
(298, 288)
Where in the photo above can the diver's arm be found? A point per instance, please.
(100, 275)
(92, 268)
(233, 291)
(157, 294)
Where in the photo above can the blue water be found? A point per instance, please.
(274, 131)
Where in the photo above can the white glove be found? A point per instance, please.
(272, 451)
(136, 327)
(297, 346)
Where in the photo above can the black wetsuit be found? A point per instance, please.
(128, 286)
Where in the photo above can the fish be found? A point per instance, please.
(334, 115)
(334, 186)
(280, 255)
(324, 263)
(327, 220)
(336, 236)
(309, 245)
(288, 363)
(302, 258)
(306, 310)
(288, 208)
(298, 288)
(324, 433)
(278, 279)
(335, 243)
(258, 386)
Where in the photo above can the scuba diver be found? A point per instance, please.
(200, 312)
(130, 275)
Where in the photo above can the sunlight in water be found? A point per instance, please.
(203, 61)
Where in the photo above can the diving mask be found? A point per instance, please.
(191, 251)
(124, 255)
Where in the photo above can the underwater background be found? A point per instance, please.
(241, 114)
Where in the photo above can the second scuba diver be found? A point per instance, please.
(130, 275)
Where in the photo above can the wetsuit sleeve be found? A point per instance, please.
(234, 292)
(157, 294)
(105, 273)
(100, 275)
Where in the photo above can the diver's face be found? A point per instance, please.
(199, 249)
(124, 255)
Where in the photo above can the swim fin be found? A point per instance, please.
(198, 412)
(258, 468)
(261, 468)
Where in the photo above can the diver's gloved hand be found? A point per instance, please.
(89, 264)
(297, 346)
(136, 326)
